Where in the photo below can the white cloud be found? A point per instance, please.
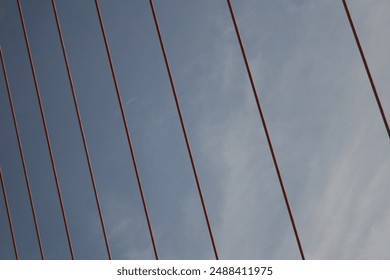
(327, 133)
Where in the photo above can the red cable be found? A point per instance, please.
(81, 130)
(266, 130)
(184, 129)
(9, 215)
(46, 131)
(22, 155)
(378, 101)
(127, 131)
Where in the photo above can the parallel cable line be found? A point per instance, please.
(378, 101)
(127, 131)
(22, 156)
(46, 131)
(9, 215)
(266, 130)
(91, 173)
(184, 129)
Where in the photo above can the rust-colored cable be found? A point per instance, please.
(266, 130)
(46, 130)
(378, 101)
(91, 173)
(184, 130)
(22, 156)
(9, 215)
(127, 131)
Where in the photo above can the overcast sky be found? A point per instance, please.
(329, 138)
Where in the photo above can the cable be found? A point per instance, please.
(9, 215)
(378, 101)
(46, 131)
(22, 156)
(127, 131)
(81, 130)
(184, 129)
(266, 130)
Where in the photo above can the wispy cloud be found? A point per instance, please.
(325, 126)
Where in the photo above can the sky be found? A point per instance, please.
(328, 135)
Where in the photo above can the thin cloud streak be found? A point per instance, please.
(328, 136)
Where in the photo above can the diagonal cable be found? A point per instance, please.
(127, 131)
(378, 101)
(46, 130)
(184, 130)
(266, 130)
(91, 173)
(9, 215)
(22, 156)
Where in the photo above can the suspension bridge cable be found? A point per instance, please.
(127, 130)
(9, 215)
(46, 131)
(184, 129)
(378, 101)
(266, 130)
(91, 173)
(22, 156)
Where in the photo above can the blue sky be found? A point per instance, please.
(330, 141)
